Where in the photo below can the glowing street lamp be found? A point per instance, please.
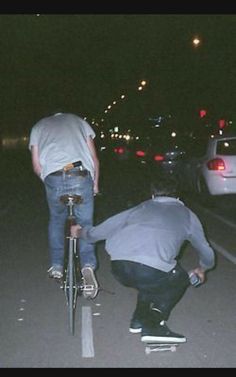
(196, 42)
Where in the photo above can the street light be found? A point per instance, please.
(196, 42)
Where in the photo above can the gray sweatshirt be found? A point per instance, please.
(152, 233)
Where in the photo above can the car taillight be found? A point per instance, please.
(158, 157)
(119, 150)
(216, 164)
(140, 153)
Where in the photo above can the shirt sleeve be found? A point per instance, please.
(33, 139)
(106, 229)
(88, 130)
(200, 243)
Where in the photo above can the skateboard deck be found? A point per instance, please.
(159, 347)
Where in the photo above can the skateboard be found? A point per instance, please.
(160, 346)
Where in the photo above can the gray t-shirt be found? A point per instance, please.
(152, 233)
(62, 139)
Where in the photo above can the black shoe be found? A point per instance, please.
(161, 333)
(135, 326)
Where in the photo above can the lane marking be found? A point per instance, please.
(227, 222)
(219, 248)
(87, 332)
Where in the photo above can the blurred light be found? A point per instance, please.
(196, 41)
(140, 153)
(202, 113)
(221, 123)
(119, 150)
(158, 157)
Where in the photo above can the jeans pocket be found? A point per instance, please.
(177, 275)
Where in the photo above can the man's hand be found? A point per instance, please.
(75, 230)
(200, 273)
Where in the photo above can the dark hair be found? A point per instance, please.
(164, 186)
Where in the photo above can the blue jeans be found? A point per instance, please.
(158, 289)
(70, 184)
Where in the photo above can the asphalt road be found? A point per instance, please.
(34, 322)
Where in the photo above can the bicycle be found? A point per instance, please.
(72, 281)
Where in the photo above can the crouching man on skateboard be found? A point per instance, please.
(143, 243)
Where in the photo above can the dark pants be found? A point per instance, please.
(156, 289)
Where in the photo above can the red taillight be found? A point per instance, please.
(216, 164)
(158, 157)
(119, 150)
(140, 153)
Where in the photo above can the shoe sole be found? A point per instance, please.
(56, 277)
(163, 339)
(135, 331)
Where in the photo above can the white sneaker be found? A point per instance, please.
(90, 285)
(55, 273)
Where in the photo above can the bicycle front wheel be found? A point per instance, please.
(71, 286)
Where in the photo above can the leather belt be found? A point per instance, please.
(82, 173)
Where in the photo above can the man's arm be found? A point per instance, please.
(93, 152)
(202, 247)
(102, 231)
(35, 160)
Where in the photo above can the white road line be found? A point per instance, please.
(87, 332)
(222, 251)
(228, 222)
(217, 247)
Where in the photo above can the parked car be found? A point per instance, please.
(209, 166)
(166, 156)
(154, 154)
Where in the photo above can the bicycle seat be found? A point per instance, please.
(69, 198)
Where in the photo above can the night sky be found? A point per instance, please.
(82, 62)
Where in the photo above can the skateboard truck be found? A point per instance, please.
(160, 347)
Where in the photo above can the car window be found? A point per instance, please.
(226, 147)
